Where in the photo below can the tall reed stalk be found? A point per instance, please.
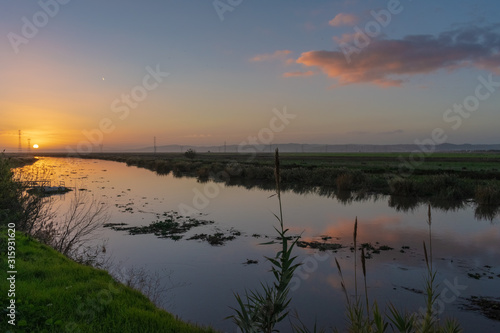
(372, 320)
(261, 311)
(355, 237)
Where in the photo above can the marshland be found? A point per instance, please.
(200, 227)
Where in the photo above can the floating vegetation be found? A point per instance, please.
(483, 272)
(250, 262)
(488, 306)
(174, 226)
(113, 225)
(476, 276)
(370, 249)
(320, 246)
(219, 238)
(414, 290)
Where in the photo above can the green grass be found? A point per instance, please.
(56, 294)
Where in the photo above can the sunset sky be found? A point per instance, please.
(352, 71)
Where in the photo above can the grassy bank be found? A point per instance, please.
(56, 294)
(437, 177)
(53, 293)
(16, 161)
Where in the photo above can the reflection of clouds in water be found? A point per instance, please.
(487, 240)
(368, 230)
(479, 244)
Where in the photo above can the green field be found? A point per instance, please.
(437, 161)
(436, 177)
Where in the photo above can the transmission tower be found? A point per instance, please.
(155, 145)
(29, 145)
(20, 148)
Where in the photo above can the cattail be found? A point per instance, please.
(363, 261)
(338, 266)
(355, 264)
(429, 217)
(363, 264)
(277, 171)
(425, 254)
(429, 221)
(344, 289)
(355, 231)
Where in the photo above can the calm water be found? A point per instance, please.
(205, 277)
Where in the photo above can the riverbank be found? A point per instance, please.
(48, 292)
(56, 294)
(436, 178)
(17, 161)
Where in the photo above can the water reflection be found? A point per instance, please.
(462, 244)
(399, 203)
(487, 212)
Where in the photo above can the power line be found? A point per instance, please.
(20, 148)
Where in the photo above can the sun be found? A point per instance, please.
(35, 146)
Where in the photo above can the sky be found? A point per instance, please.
(75, 75)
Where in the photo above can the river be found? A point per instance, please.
(203, 278)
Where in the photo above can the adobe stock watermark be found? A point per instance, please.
(448, 295)
(31, 26)
(251, 145)
(223, 6)
(265, 136)
(11, 274)
(121, 107)
(454, 117)
(372, 29)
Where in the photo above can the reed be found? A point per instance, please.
(370, 319)
(262, 310)
(487, 195)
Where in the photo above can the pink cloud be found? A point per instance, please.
(277, 55)
(298, 74)
(343, 19)
(391, 62)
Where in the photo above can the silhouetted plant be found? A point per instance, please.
(190, 153)
(370, 319)
(261, 311)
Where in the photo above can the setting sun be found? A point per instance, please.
(35, 146)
